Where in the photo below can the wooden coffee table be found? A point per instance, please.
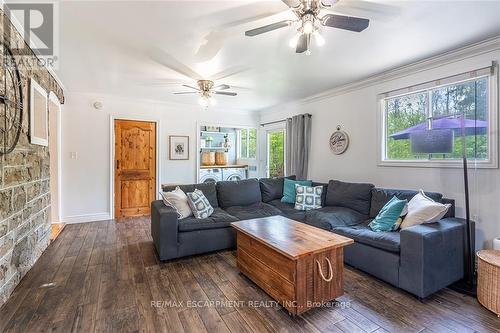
(298, 265)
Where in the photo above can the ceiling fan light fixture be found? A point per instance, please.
(308, 26)
(203, 101)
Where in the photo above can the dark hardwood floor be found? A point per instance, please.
(105, 277)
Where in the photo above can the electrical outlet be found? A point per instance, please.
(475, 218)
(73, 155)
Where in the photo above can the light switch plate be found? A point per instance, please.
(73, 155)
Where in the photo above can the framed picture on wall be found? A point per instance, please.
(179, 147)
(39, 117)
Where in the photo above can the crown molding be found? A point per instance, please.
(448, 57)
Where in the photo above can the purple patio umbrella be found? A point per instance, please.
(472, 127)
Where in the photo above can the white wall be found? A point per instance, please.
(86, 131)
(355, 109)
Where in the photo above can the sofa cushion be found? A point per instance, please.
(289, 191)
(356, 196)
(256, 210)
(272, 188)
(238, 193)
(329, 218)
(288, 210)
(208, 190)
(385, 240)
(381, 196)
(218, 219)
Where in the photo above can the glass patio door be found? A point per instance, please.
(276, 152)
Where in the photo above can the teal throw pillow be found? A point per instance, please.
(289, 192)
(388, 215)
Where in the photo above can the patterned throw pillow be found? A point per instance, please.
(308, 197)
(199, 204)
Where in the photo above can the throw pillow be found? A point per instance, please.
(289, 192)
(308, 197)
(388, 215)
(178, 200)
(422, 209)
(199, 204)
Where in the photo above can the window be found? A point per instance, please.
(247, 143)
(276, 153)
(462, 106)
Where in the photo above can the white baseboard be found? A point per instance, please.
(85, 218)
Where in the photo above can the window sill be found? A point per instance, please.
(440, 164)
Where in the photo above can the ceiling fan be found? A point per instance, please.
(309, 19)
(206, 90)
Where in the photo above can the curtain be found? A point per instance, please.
(298, 145)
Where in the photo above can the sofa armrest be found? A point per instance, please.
(432, 256)
(164, 229)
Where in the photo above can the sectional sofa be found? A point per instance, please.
(420, 259)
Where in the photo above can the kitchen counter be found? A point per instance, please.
(223, 166)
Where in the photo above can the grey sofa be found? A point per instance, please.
(420, 259)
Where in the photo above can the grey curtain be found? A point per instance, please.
(298, 145)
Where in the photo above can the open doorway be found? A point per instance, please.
(275, 152)
(55, 164)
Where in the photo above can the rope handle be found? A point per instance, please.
(330, 270)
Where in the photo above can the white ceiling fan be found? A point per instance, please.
(206, 90)
(205, 87)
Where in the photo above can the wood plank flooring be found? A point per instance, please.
(106, 277)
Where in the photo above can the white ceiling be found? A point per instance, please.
(121, 47)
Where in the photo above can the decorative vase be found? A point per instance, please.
(208, 158)
(221, 158)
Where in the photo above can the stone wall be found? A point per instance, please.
(24, 187)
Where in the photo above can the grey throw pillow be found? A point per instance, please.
(199, 204)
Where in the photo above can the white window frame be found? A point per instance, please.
(238, 143)
(490, 163)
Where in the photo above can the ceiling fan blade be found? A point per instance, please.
(221, 87)
(350, 23)
(188, 86)
(301, 44)
(227, 93)
(185, 92)
(267, 28)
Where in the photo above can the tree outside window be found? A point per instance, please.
(467, 99)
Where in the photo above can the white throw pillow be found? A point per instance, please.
(422, 209)
(178, 200)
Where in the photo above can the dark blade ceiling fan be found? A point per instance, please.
(309, 20)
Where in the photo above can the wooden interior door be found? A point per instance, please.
(135, 167)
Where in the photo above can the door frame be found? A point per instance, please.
(112, 119)
(55, 101)
(269, 129)
(200, 124)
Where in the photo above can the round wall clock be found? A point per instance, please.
(11, 96)
(339, 141)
